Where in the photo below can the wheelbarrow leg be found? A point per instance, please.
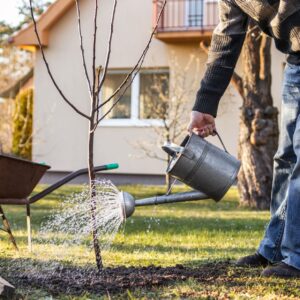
(28, 227)
(7, 229)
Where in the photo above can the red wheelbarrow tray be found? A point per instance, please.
(18, 177)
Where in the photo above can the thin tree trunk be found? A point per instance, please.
(168, 176)
(92, 177)
(258, 138)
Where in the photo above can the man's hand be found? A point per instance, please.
(201, 124)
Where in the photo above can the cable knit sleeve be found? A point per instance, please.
(226, 45)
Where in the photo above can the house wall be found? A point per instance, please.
(60, 137)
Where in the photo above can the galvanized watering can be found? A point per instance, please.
(203, 166)
(211, 171)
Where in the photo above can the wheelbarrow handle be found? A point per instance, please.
(68, 178)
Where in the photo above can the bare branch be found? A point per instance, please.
(146, 149)
(135, 69)
(109, 46)
(94, 48)
(98, 72)
(237, 82)
(204, 47)
(81, 46)
(48, 68)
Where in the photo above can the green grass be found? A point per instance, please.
(191, 234)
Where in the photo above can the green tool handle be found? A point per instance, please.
(111, 166)
(68, 178)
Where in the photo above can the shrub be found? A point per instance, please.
(6, 113)
(22, 124)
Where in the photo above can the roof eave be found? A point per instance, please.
(27, 36)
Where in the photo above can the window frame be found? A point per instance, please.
(134, 120)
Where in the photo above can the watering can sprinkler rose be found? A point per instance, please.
(209, 170)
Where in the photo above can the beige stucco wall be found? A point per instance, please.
(60, 137)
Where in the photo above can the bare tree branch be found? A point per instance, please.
(99, 82)
(98, 72)
(94, 47)
(109, 47)
(237, 82)
(133, 72)
(151, 154)
(81, 47)
(204, 47)
(48, 68)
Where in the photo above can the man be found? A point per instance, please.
(279, 251)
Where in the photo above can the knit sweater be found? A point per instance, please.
(279, 19)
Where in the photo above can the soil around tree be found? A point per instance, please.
(77, 281)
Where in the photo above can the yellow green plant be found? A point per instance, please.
(22, 124)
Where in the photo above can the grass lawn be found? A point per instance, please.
(195, 235)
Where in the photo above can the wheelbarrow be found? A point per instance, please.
(19, 177)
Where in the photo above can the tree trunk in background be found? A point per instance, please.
(258, 138)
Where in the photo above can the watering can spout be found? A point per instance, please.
(128, 203)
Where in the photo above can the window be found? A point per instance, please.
(123, 109)
(194, 13)
(154, 95)
(143, 103)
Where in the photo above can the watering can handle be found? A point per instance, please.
(216, 133)
(221, 141)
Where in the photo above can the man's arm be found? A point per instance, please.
(226, 45)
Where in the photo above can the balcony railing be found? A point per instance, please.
(199, 16)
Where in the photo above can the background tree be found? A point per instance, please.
(258, 138)
(15, 66)
(169, 97)
(6, 113)
(95, 84)
(38, 7)
(15, 62)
